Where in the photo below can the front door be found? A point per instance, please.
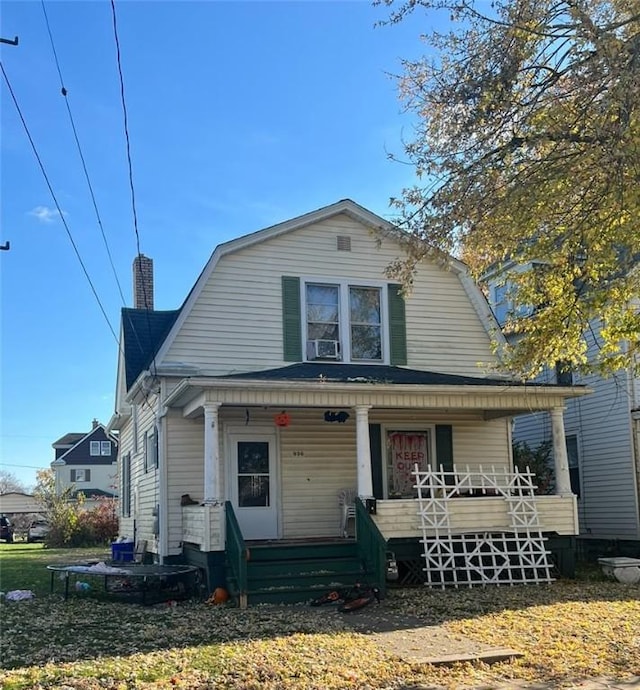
(254, 485)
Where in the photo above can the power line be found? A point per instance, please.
(126, 125)
(55, 200)
(65, 94)
(27, 467)
(130, 167)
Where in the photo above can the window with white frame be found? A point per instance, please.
(344, 322)
(150, 442)
(79, 476)
(125, 489)
(100, 448)
(573, 458)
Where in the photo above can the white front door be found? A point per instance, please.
(254, 483)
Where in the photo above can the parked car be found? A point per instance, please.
(6, 529)
(38, 530)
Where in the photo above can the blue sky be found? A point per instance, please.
(241, 115)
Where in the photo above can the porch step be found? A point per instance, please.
(290, 573)
(261, 551)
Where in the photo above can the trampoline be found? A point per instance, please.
(149, 583)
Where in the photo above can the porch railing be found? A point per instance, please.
(372, 546)
(237, 554)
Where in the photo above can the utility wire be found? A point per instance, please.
(65, 93)
(55, 200)
(126, 126)
(130, 167)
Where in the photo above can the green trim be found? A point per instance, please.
(291, 326)
(375, 446)
(444, 447)
(397, 325)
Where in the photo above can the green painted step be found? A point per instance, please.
(269, 552)
(282, 568)
(293, 595)
(295, 573)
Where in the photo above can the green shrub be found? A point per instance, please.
(538, 460)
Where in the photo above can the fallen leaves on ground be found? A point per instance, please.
(566, 630)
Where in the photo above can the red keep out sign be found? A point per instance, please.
(407, 450)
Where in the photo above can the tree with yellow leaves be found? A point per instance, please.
(527, 149)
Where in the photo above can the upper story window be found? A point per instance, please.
(343, 322)
(100, 447)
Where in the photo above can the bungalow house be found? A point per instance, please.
(296, 375)
(86, 462)
(604, 467)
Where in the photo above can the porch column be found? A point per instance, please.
(211, 453)
(365, 482)
(560, 460)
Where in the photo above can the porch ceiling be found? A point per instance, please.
(383, 387)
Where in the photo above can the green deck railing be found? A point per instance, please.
(237, 554)
(372, 546)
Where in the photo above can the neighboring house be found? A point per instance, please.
(17, 502)
(294, 372)
(87, 462)
(602, 435)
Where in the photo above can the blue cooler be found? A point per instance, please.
(122, 551)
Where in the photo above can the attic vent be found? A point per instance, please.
(344, 243)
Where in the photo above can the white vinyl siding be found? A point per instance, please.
(144, 486)
(608, 504)
(185, 470)
(316, 460)
(444, 332)
(398, 519)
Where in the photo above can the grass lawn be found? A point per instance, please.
(568, 631)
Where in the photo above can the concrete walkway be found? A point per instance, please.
(412, 641)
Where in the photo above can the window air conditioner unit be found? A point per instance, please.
(325, 349)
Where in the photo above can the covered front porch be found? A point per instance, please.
(278, 447)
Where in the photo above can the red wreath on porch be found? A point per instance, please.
(282, 419)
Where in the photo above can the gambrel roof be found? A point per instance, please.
(347, 207)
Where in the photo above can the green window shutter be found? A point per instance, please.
(87, 475)
(375, 443)
(444, 447)
(291, 326)
(397, 326)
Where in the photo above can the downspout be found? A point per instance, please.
(163, 477)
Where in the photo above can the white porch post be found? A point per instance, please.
(365, 483)
(561, 462)
(211, 453)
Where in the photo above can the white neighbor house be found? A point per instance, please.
(86, 463)
(296, 370)
(602, 436)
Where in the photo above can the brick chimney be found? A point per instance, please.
(143, 282)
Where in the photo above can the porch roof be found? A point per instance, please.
(367, 373)
(320, 385)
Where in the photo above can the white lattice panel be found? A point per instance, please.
(480, 558)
